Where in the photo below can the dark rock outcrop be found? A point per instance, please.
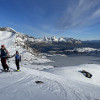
(39, 82)
(86, 74)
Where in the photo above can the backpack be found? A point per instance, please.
(4, 52)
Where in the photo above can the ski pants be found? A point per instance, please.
(17, 64)
(4, 65)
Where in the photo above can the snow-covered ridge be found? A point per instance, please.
(55, 39)
(7, 29)
(86, 49)
(89, 51)
(50, 39)
(6, 33)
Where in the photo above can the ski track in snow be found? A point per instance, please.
(23, 85)
(55, 87)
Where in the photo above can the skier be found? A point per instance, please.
(4, 54)
(17, 60)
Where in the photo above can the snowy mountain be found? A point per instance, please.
(54, 39)
(34, 83)
(84, 51)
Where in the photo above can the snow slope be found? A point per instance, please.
(9, 36)
(58, 84)
(21, 85)
(73, 73)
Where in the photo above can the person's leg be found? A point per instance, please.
(3, 63)
(17, 64)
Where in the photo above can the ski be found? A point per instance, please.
(2, 71)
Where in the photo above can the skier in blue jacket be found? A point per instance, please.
(17, 60)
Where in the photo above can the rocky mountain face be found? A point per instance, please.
(24, 41)
(54, 39)
(8, 29)
(20, 39)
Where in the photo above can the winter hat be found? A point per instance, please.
(17, 52)
(2, 46)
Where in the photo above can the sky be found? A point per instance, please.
(78, 19)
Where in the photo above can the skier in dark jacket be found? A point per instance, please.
(17, 60)
(4, 54)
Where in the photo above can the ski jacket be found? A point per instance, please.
(4, 53)
(17, 57)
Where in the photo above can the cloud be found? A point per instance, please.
(96, 14)
(80, 13)
(37, 32)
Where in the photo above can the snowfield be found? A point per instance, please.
(73, 73)
(65, 83)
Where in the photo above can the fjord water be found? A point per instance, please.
(64, 61)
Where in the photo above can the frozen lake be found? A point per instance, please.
(63, 61)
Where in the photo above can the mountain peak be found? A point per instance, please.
(8, 29)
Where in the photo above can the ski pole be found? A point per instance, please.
(9, 66)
